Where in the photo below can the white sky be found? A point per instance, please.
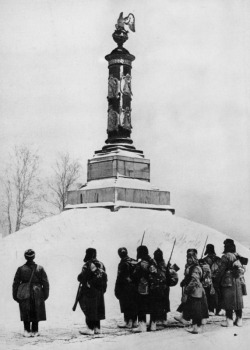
(191, 89)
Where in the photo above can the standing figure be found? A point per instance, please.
(125, 289)
(212, 294)
(94, 284)
(141, 279)
(228, 278)
(163, 298)
(194, 303)
(32, 303)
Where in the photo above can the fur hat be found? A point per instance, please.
(192, 252)
(90, 254)
(229, 247)
(29, 254)
(209, 249)
(142, 251)
(158, 254)
(122, 252)
(228, 241)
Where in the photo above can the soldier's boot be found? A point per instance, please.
(195, 329)
(122, 325)
(142, 327)
(135, 324)
(129, 324)
(204, 321)
(238, 322)
(27, 334)
(153, 326)
(181, 320)
(227, 323)
(87, 331)
(97, 330)
(35, 334)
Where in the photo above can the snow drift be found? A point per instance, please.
(60, 243)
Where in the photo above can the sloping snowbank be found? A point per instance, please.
(60, 243)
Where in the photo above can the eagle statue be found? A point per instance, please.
(129, 21)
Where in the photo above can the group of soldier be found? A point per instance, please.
(210, 285)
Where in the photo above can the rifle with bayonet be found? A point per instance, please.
(77, 296)
(204, 247)
(143, 237)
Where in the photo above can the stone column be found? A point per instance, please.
(119, 124)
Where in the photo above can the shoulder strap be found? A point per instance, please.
(33, 271)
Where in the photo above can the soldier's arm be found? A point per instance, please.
(16, 283)
(45, 283)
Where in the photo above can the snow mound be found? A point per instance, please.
(60, 243)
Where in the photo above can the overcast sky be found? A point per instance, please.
(191, 91)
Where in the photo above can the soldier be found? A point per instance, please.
(212, 294)
(125, 290)
(168, 278)
(194, 304)
(141, 279)
(34, 279)
(228, 279)
(94, 284)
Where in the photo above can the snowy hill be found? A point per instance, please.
(60, 243)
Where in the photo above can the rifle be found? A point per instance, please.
(204, 247)
(143, 237)
(168, 264)
(77, 296)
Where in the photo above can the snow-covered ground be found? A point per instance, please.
(60, 243)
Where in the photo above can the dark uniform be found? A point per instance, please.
(163, 304)
(32, 310)
(212, 294)
(145, 301)
(91, 299)
(125, 289)
(194, 303)
(228, 280)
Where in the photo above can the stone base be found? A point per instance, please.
(116, 165)
(119, 193)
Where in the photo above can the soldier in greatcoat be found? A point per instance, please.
(145, 304)
(91, 299)
(194, 303)
(125, 289)
(163, 301)
(32, 309)
(228, 280)
(212, 294)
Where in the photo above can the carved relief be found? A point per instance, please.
(127, 119)
(113, 119)
(113, 87)
(126, 85)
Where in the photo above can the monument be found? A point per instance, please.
(118, 174)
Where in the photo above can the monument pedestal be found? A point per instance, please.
(119, 180)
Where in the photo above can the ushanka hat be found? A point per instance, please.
(228, 241)
(142, 251)
(90, 254)
(29, 254)
(192, 252)
(158, 254)
(209, 249)
(122, 252)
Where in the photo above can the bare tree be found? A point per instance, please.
(66, 173)
(20, 185)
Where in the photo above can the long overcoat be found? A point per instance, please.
(145, 304)
(195, 306)
(125, 289)
(91, 300)
(231, 289)
(32, 309)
